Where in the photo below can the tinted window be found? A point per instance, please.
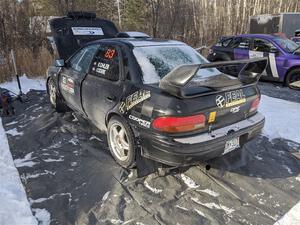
(240, 42)
(106, 63)
(262, 45)
(224, 42)
(82, 60)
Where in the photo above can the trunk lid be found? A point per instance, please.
(223, 99)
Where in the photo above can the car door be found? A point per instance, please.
(102, 87)
(72, 75)
(264, 48)
(241, 47)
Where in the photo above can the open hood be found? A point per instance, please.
(76, 29)
(175, 81)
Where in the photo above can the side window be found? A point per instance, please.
(224, 42)
(262, 45)
(82, 60)
(240, 42)
(106, 63)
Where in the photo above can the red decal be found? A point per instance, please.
(110, 53)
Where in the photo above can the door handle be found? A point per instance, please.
(111, 98)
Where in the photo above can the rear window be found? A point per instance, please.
(157, 61)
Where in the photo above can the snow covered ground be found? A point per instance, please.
(26, 84)
(14, 207)
(282, 118)
(282, 121)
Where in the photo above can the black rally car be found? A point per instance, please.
(156, 96)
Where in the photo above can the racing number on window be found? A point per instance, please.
(110, 53)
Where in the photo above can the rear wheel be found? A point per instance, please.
(293, 79)
(121, 142)
(55, 100)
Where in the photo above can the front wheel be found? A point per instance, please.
(121, 142)
(55, 100)
(293, 79)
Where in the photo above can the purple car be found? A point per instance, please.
(283, 53)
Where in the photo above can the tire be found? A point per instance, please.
(291, 77)
(56, 101)
(121, 142)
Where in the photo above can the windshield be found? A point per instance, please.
(157, 61)
(287, 44)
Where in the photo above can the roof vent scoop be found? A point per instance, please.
(132, 34)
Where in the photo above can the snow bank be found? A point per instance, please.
(292, 217)
(26, 83)
(14, 207)
(282, 118)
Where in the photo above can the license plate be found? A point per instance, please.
(231, 145)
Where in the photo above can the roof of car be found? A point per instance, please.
(268, 36)
(140, 42)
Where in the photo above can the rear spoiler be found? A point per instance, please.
(176, 79)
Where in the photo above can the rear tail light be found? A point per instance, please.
(254, 105)
(210, 51)
(179, 124)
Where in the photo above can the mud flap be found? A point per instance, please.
(145, 166)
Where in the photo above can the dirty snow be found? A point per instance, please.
(212, 205)
(152, 189)
(14, 132)
(26, 83)
(210, 192)
(14, 207)
(26, 161)
(188, 181)
(282, 118)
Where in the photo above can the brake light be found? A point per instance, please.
(179, 124)
(254, 105)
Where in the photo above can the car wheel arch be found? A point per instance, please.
(288, 71)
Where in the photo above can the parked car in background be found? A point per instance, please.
(283, 53)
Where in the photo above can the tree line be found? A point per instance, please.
(197, 22)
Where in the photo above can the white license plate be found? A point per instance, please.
(231, 145)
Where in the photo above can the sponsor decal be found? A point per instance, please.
(134, 99)
(142, 122)
(235, 109)
(100, 67)
(67, 85)
(212, 116)
(87, 31)
(230, 98)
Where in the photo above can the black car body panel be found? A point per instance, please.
(110, 82)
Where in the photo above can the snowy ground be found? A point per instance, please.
(282, 121)
(15, 208)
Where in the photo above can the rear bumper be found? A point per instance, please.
(183, 151)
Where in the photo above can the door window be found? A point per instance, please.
(106, 63)
(240, 42)
(82, 60)
(262, 45)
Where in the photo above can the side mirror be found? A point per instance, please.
(60, 63)
(274, 50)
